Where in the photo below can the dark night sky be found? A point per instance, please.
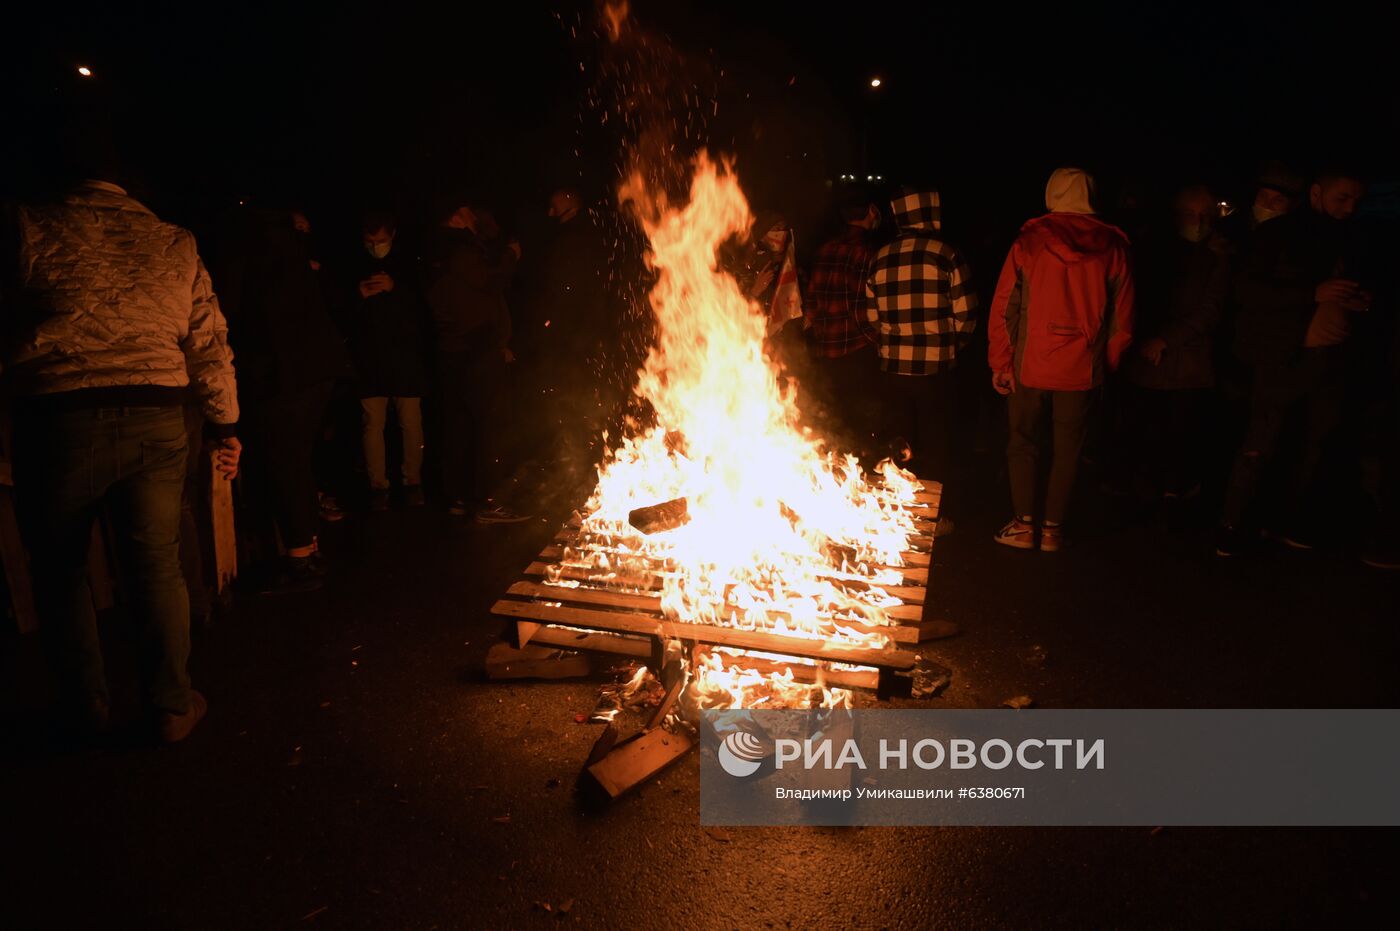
(343, 105)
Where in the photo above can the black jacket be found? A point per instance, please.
(279, 325)
(1181, 292)
(387, 332)
(465, 284)
(1285, 262)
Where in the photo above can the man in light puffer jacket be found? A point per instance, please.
(108, 317)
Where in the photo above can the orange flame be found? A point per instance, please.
(615, 17)
(779, 526)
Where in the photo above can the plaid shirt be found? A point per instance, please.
(835, 297)
(919, 294)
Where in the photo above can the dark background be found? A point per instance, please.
(336, 107)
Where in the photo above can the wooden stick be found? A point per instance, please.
(221, 521)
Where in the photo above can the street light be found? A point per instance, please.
(875, 82)
(85, 71)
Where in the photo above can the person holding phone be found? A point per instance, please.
(1298, 294)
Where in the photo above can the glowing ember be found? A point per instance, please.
(783, 535)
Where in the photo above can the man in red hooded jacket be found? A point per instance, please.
(1062, 314)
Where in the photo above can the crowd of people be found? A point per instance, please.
(1250, 346)
(1252, 349)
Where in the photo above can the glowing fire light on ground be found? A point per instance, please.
(783, 535)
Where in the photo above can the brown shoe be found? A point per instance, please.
(176, 727)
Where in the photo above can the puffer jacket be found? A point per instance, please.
(1063, 307)
(106, 295)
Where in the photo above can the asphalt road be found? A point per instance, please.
(356, 772)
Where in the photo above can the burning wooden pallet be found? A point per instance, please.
(576, 610)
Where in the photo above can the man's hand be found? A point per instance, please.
(514, 246)
(761, 281)
(378, 283)
(226, 456)
(1003, 382)
(1152, 350)
(1337, 291)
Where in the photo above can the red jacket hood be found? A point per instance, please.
(1073, 237)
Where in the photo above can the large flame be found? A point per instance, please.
(783, 535)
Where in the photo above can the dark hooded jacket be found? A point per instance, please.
(1182, 287)
(1279, 273)
(919, 295)
(387, 332)
(1063, 309)
(279, 323)
(465, 284)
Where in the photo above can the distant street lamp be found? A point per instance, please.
(85, 71)
(875, 82)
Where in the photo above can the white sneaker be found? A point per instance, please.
(1018, 534)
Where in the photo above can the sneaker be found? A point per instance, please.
(500, 515)
(413, 496)
(330, 509)
(1018, 534)
(1052, 537)
(379, 499)
(176, 727)
(457, 508)
(297, 574)
(944, 527)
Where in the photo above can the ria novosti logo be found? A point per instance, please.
(741, 754)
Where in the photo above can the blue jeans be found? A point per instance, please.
(131, 460)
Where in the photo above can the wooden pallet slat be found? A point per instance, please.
(651, 604)
(761, 641)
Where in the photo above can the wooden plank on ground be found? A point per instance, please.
(704, 633)
(637, 760)
(593, 641)
(221, 521)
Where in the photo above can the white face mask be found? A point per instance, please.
(378, 249)
(1264, 214)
